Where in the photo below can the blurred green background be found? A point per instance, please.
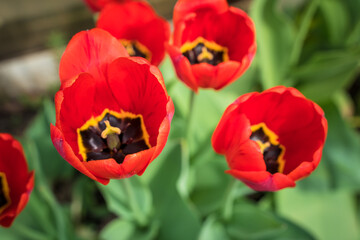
(313, 45)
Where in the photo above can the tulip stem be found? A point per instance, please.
(188, 119)
(272, 201)
(134, 204)
(45, 191)
(229, 200)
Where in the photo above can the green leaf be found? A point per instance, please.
(337, 19)
(174, 213)
(327, 214)
(275, 34)
(250, 222)
(209, 181)
(38, 132)
(325, 73)
(120, 229)
(168, 73)
(341, 150)
(208, 109)
(213, 229)
(354, 37)
(180, 95)
(116, 194)
(46, 200)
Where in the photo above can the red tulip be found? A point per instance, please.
(211, 47)
(138, 28)
(16, 182)
(97, 5)
(271, 139)
(113, 120)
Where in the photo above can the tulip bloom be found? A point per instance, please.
(271, 139)
(113, 113)
(16, 182)
(212, 44)
(138, 28)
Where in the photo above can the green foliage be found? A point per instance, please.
(312, 45)
(326, 214)
(342, 151)
(38, 133)
(275, 35)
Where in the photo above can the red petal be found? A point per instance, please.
(131, 13)
(142, 24)
(219, 76)
(89, 51)
(246, 156)
(20, 181)
(184, 7)
(139, 91)
(238, 37)
(9, 215)
(59, 97)
(110, 169)
(182, 67)
(13, 164)
(223, 136)
(154, 35)
(76, 103)
(232, 138)
(164, 130)
(67, 153)
(262, 180)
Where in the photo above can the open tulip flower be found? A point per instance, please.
(271, 139)
(138, 28)
(16, 182)
(113, 113)
(212, 45)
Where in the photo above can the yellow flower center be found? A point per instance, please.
(112, 135)
(136, 49)
(271, 149)
(203, 51)
(4, 192)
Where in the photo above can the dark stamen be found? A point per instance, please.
(134, 49)
(202, 54)
(3, 199)
(271, 153)
(113, 138)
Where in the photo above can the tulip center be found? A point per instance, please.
(204, 51)
(4, 193)
(136, 49)
(112, 135)
(272, 151)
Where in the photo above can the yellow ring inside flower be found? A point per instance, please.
(4, 193)
(136, 49)
(203, 51)
(268, 141)
(111, 134)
